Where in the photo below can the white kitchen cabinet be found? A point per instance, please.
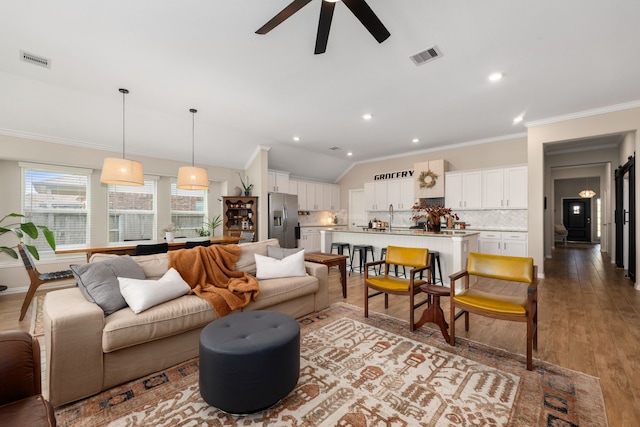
(503, 243)
(278, 182)
(464, 190)
(335, 198)
(504, 188)
(293, 187)
(375, 196)
(400, 194)
(302, 196)
(515, 187)
(310, 239)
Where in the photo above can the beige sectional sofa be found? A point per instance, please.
(87, 352)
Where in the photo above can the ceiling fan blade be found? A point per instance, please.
(363, 12)
(326, 15)
(285, 13)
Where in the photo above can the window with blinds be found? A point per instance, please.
(58, 198)
(132, 212)
(188, 210)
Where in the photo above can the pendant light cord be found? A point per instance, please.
(193, 133)
(123, 92)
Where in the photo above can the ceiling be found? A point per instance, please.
(255, 90)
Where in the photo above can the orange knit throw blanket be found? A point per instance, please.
(210, 271)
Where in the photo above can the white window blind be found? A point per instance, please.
(132, 212)
(188, 210)
(58, 197)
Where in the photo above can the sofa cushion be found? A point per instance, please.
(275, 291)
(272, 268)
(98, 281)
(246, 261)
(124, 328)
(154, 266)
(280, 253)
(143, 294)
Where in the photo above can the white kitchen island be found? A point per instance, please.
(453, 245)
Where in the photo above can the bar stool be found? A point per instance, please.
(435, 259)
(361, 250)
(383, 255)
(340, 247)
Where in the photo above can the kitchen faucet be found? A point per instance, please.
(390, 216)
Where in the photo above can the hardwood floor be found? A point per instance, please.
(589, 321)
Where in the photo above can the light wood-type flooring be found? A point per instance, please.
(589, 321)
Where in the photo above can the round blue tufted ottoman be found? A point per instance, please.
(249, 361)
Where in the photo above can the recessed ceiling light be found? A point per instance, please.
(349, 153)
(517, 120)
(367, 116)
(495, 77)
(296, 138)
(415, 140)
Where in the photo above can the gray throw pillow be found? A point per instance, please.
(280, 253)
(98, 281)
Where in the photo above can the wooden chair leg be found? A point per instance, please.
(411, 311)
(366, 300)
(33, 287)
(452, 327)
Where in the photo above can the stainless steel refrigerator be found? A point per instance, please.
(283, 218)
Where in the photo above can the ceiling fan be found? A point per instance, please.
(359, 8)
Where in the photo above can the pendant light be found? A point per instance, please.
(191, 177)
(122, 171)
(587, 193)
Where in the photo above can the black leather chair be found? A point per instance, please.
(21, 401)
(193, 244)
(158, 248)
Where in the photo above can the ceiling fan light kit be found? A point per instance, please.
(359, 8)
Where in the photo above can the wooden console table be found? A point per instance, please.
(129, 248)
(332, 260)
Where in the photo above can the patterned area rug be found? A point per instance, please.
(369, 372)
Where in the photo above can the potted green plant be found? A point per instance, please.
(213, 224)
(245, 187)
(22, 228)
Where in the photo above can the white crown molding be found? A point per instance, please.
(583, 114)
(446, 147)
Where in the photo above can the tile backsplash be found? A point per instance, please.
(497, 219)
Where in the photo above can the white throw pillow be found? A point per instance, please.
(271, 268)
(143, 294)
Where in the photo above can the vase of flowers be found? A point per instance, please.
(246, 187)
(433, 214)
(169, 232)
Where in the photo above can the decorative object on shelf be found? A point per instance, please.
(433, 214)
(427, 179)
(22, 228)
(191, 177)
(122, 171)
(169, 232)
(246, 187)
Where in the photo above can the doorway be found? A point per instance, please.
(576, 215)
(625, 215)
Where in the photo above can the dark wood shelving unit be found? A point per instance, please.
(240, 215)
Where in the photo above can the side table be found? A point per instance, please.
(434, 313)
(331, 260)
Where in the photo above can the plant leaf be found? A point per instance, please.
(33, 251)
(9, 252)
(30, 229)
(48, 234)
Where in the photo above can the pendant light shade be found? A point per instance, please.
(587, 193)
(191, 177)
(122, 171)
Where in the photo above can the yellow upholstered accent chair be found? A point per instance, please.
(417, 259)
(518, 309)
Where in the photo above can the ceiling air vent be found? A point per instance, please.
(426, 55)
(335, 148)
(35, 59)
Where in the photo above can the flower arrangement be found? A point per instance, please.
(169, 228)
(245, 187)
(432, 213)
